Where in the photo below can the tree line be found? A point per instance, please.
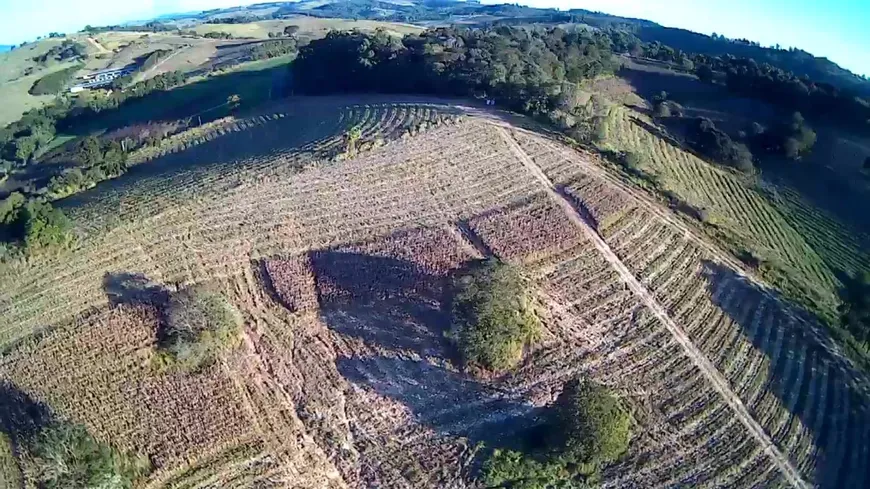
(526, 70)
(777, 86)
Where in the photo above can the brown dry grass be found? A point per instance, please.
(353, 385)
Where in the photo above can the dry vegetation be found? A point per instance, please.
(344, 377)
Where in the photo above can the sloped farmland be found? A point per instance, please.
(345, 378)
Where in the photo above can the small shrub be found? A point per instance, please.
(65, 456)
(199, 325)
(493, 315)
(662, 109)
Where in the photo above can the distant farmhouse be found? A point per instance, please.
(102, 78)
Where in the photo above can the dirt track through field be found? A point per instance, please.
(716, 379)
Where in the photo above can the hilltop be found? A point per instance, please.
(338, 269)
(319, 252)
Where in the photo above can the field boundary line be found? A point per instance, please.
(718, 381)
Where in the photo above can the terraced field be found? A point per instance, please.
(344, 378)
(745, 215)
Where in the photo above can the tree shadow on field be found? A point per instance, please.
(392, 305)
(814, 385)
(21, 417)
(449, 402)
(384, 301)
(134, 289)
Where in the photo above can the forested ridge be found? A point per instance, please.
(523, 69)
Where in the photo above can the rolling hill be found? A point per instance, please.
(343, 378)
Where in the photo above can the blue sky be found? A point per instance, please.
(837, 29)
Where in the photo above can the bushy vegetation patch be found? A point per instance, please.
(590, 424)
(855, 307)
(54, 83)
(704, 137)
(493, 315)
(273, 49)
(44, 226)
(65, 456)
(792, 139)
(199, 325)
(588, 427)
(68, 49)
(33, 224)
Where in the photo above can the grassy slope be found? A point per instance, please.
(309, 27)
(744, 215)
(805, 247)
(14, 84)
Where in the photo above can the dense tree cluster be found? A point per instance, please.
(20, 140)
(273, 49)
(704, 137)
(54, 83)
(792, 60)
(217, 35)
(68, 49)
(855, 307)
(524, 69)
(32, 223)
(791, 139)
(774, 85)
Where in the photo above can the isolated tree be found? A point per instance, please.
(291, 30)
(351, 138)
(704, 73)
(199, 325)
(590, 424)
(233, 102)
(493, 315)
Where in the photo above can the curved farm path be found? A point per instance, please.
(718, 381)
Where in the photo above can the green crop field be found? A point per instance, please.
(743, 215)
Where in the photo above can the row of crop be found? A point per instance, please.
(92, 372)
(740, 350)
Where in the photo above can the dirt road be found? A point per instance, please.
(716, 379)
